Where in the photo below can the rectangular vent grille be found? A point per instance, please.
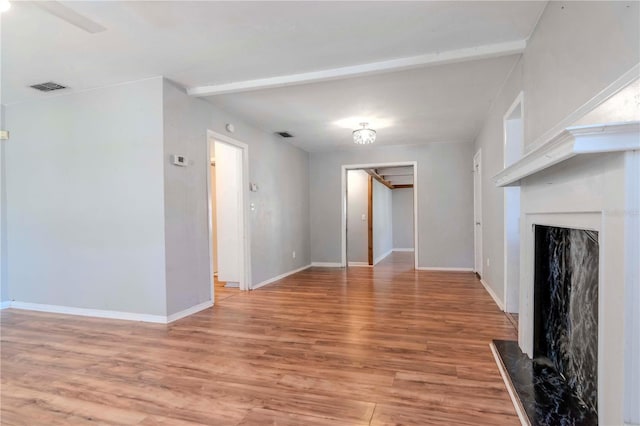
(48, 86)
(284, 134)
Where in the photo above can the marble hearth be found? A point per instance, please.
(584, 186)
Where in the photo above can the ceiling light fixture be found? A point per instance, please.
(4, 5)
(364, 136)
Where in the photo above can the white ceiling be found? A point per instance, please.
(204, 43)
(434, 104)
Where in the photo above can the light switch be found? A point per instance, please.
(364, 217)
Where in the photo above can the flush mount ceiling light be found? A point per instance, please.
(364, 136)
(4, 5)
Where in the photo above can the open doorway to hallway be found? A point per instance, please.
(228, 223)
(380, 214)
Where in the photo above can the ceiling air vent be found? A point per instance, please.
(284, 134)
(48, 86)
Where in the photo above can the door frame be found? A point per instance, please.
(343, 200)
(477, 213)
(245, 282)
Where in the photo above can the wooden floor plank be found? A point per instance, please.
(365, 346)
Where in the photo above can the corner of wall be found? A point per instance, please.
(4, 284)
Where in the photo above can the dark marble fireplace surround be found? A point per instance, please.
(566, 307)
(559, 385)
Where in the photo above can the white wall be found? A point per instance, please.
(186, 199)
(445, 185)
(99, 218)
(279, 224)
(576, 50)
(4, 283)
(382, 222)
(357, 206)
(402, 202)
(85, 222)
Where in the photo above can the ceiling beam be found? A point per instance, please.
(385, 175)
(400, 64)
(379, 178)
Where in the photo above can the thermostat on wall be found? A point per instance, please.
(180, 160)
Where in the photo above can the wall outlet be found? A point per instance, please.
(293, 254)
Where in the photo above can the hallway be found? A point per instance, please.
(364, 346)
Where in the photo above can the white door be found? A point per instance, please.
(229, 213)
(477, 212)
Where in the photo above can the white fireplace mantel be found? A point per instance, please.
(569, 143)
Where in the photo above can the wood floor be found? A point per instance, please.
(367, 346)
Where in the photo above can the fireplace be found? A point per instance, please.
(565, 308)
(577, 358)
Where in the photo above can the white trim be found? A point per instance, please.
(477, 213)
(327, 264)
(524, 420)
(411, 62)
(436, 269)
(518, 101)
(493, 295)
(382, 257)
(245, 284)
(403, 249)
(623, 81)
(4, 305)
(98, 313)
(279, 277)
(571, 142)
(343, 176)
(632, 286)
(189, 311)
(358, 264)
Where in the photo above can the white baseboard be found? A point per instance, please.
(429, 268)
(4, 305)
(363, 264)
(189, 311)
(281, 276)
(493, 295)
(381, 257)
(327, 264)
(68, 310)
(403, 249)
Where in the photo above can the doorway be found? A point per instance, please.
(513, 150)
(477, 212)
(228, 219)
(379, 214)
